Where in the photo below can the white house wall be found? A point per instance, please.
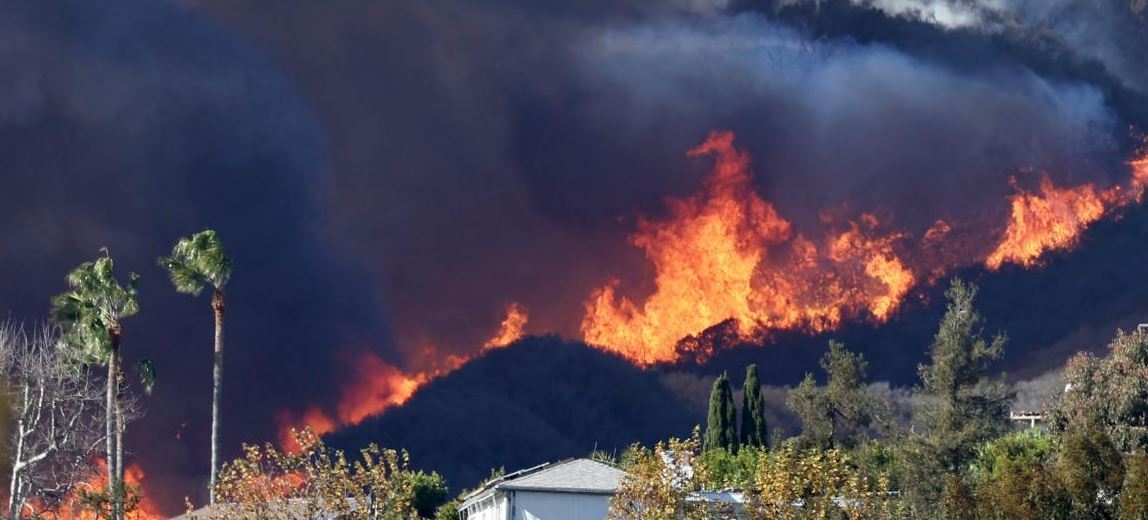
(537, 505)
(496, 508)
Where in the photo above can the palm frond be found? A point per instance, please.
(95, 302)
(198, 261)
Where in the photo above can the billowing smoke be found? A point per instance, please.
(1111, 32)
(392, 176)
(128, 126)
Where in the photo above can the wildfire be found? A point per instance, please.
(727, 262)
(71, 509)
(1051, 219)
(726, 253)
(374, 387)
(1055, 217)
(511, 328)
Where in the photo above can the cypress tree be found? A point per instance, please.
(730, 417)
(721, 422)
(753, 427)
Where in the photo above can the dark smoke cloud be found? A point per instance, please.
(496, 145)
(424, 164)
(1111, 32)
(131, 125)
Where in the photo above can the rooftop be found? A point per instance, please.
(570, 476)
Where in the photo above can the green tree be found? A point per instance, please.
(449, 510)
(90, 316)
(754, 431)
(839, 414)
(957, 501)
(963, 406)
(811, 405)
(429, 493)
(196, 263)
(1015, 479)
(1092, 471)
(1134, 495)
(1109, 393)
(658, 483)
(721, 423)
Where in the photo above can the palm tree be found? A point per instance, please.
(197, 262)
(90, 317)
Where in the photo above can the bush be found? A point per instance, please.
(1134, 495)
(1092, 471)
(1028, 448)
(1021, 489)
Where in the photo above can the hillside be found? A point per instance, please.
(541, 399)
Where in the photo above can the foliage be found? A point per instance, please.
(449, 510)
(99, 502)
(956, 501)
(658, 483)
(720, 469)
(1092, 471)
(794, 484)
(754, 430)
(1134, 494)
(1027, 448)
(961, 406)
(721, 423)
(430, 492)
(838, 414)
(57, 428)
(89, 313)
(266, 484)
(1021, 487)
(1109, 393)
(197, 262)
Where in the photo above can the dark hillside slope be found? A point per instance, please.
(541, 399)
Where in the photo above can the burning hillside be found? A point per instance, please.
(725, 254)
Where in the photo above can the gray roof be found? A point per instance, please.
(579, 475)
(568, 476)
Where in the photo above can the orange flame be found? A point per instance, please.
(1054, 218)
(374, 387)
(1051, 219)
(71, 509)
(511, 329)
(726, 253)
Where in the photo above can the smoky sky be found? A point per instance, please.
(390, 175)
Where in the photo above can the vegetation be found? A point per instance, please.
(839, 414)
(721, 422)
(316, 482)
(91, 316)
(196, 263)
(57, 429)
(956, 458)
(754, 431)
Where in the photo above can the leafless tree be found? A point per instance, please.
(56, 404)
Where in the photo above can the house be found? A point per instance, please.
(577, 489)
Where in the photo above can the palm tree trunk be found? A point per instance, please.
(217, 304)
(110, 430)
(121, 490)
(114, 431)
